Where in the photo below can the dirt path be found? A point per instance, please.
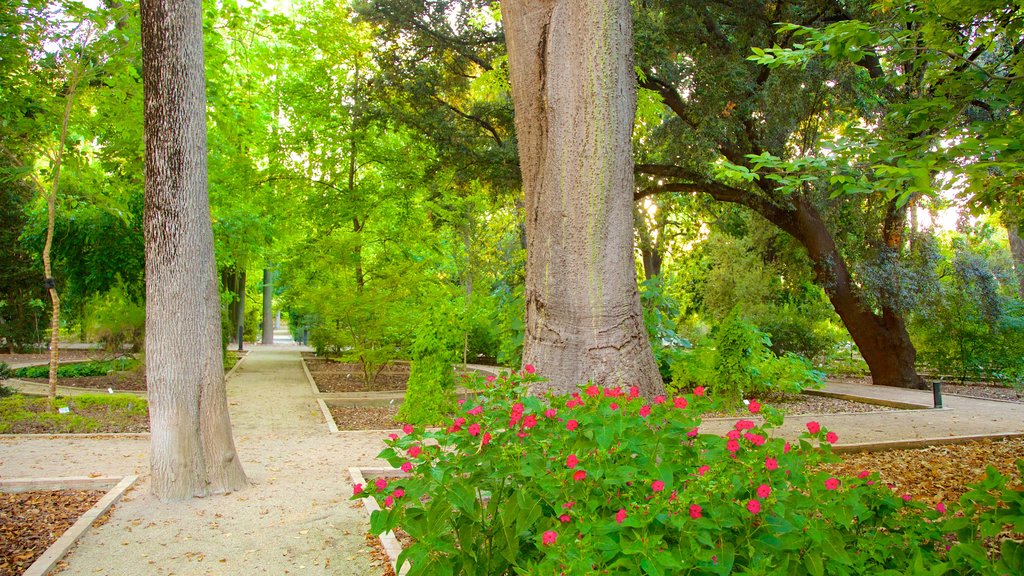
(294, 518)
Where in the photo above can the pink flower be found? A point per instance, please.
(381, 484)
(399, 492)
(679, 402)
(407, 429)
(592, 390)
(698, 391)
(906, 497)
(529, 369)
(732, 446)
(786, 448)
(754, 506)
(703, 470)
(414, 450)
(565, 518)
(645, 411)
(571, 461)
(863, 474)
(620, 516)
(744, 425)
(832, 484)
(474, 429)
(763, 491)
(407, 467)
(490, 378)
(462, 400)
(572, 425)
(393, 436)
(754, 407)
(357, 489)
(771, 463)
(831, 437)
(475, 411)
(692, 433)
(550, 413)
(659, 399)
(530, 421)
(634, 391)
(549, 537)
(579, 475)
(940, 508)
(733, 434)
(613, 406)
(389, 501)
(695, 511)
(568, 505)
(755, 439)
(657, 486)
(485, 439)
(813, 427)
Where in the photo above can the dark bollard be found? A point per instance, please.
(937, 393)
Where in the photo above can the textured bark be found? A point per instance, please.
(1017, 251)
(193, 453)
(574, 91)
(268, 306)
(240, 309)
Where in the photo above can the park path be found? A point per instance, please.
(294, 518)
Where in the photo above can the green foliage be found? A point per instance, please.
(601, 482)
(5, 373)
(430, 393)
(21, 287)
(115, 320)
(88, 413)
(79, 369)
(661, 312)
(737, 362)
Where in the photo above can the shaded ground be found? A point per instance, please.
(133, 380)
(31, 521)
(332, 376)
(988, 390)
(72, 355)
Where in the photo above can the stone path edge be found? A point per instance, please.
(916, 443)
(332, 427)
(45, 563)
(388, 540)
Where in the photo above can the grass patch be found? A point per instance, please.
(79, 369)
(89, 413)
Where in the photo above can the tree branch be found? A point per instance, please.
(475, 119)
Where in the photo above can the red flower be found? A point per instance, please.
(940, 508)
(357, 489)
(692, 433)
(699, 391)
(579, 475)
(832, 484)
(733, 434)
(754, 506)
(393, 436)
(831, 437)
(657, 486)
(529, 369)
(863, 474)
(407, 428)
(490, 378)
(771, 463)
(406, 467)
(389, 501)
(645, 411)
(399, 492)
(906, 497)
(634, 391)
(613, 406)
(745, 425)
(620, 516)
(679, 402)
(571, 461)
(754, 406)
(474, 429)
(475, 411)
(530, 421)
(732, 446)
(813, 427)
(695, 511)
(381, 484)
(592, 390)
(572, 425)
(415, 450)
(786, 448)
(568, 505)
(550, 413)
(659, 399)
(703, 470)
(549, 537)
(763, 491)
(485, 439)
(565, 518)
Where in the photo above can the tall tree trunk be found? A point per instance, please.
(268, 306)
(883, 339)
(650, 251)
(1017, 252)
(574, 90)
(193, 453)
(240, 310)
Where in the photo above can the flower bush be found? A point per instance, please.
(607, 482)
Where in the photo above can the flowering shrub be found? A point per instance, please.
(607, 482)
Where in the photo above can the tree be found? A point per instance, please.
(574, 91)
(193, 452)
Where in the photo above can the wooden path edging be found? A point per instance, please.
(388, 540)
(46, 563)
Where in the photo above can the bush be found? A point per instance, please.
(430, 393)
(115, 320)
(5, 373)
(89, 413)
(737, 361)
(79, 369)
(604, 482)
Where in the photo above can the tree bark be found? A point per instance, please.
(574, 90)
(1017, 252)
(268, 306)
(240, 309)
(193, 453)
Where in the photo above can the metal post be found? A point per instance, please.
(937, 393)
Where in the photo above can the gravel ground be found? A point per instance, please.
(31, 521)
(986, 391)
(364, 417)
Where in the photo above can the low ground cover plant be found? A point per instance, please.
(607, 482)
(86, 413)
(79, 369)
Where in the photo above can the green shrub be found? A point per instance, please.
(89, 413)
(736, 361)
(430, 393)
(605, 482)
(79, 369)
(115, 320)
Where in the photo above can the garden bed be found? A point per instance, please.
(332, 376)
(32, 521)
(88, 414)
(984, 390)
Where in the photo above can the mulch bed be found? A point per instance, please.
(127, 381)
(64, 356)
(364, 417)
(990, 391)
(31, 521)
(109, 422)
(332, 376)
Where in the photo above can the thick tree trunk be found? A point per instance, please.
(1017, 251)
(240, 310)
(193, 453)
(883, 340)
(268, 306)
(574, 91)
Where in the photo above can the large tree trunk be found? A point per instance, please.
(574, 91)
(193, 453)
(240, 309)
(268, 306)
(1017, 251)
(882, 339)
